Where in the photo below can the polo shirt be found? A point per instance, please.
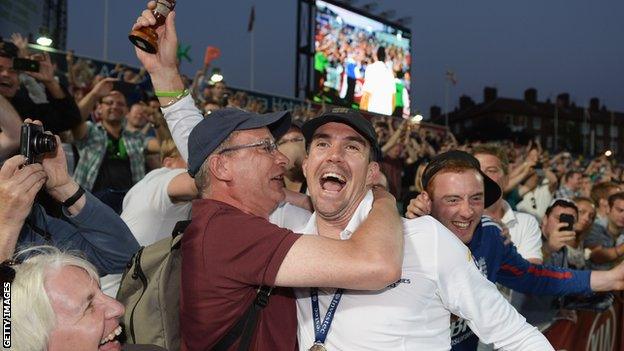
(226, 255)
(439, 277)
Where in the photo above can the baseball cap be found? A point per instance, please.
(492, 192)
(349, 117)
(208, 134)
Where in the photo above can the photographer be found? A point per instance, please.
(88, 225)
(59, 112)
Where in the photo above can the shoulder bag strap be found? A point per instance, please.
(246, 325)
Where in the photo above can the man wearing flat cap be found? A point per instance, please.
(230, 249)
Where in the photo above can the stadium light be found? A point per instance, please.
(216, 76)
(44, 38)
(608, 153)
(417, 118)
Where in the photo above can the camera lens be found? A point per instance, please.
(43, 143)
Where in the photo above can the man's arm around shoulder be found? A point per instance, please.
(370, 260)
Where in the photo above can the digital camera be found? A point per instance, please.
(34, 142)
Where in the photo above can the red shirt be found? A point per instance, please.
(226, 255)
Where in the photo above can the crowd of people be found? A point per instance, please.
(356, 67)
(356, 234)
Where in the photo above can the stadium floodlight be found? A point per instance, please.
(608, 153)
(417, 118)
(44, 41)
(216, 76)
(44, 37)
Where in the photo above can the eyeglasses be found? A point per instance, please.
(291, 140)
(268, 145)
(7, 273)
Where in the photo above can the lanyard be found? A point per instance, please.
(321, 329)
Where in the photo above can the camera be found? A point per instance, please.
(34, 142)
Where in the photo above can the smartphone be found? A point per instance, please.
(22, 64)
(538, 165)
(567, 218)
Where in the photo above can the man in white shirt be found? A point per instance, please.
(439, 276)
(379, 87)
(523, 228)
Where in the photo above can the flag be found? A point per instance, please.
(252, 18)
(450, 75)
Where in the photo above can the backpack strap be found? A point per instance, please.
(246, 324)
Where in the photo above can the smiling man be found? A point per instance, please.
(456, 193)
(57, 305)
(230, 248)
(438, 276)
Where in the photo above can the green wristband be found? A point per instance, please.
(169, 93)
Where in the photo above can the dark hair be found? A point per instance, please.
(617, 196)
(562, 202)
(569, 174)
(381, 53)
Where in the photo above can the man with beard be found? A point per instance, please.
(292, 145)
(454, 183)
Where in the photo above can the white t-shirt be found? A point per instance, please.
(150, 214)
(525, 232)
(536, 201)
(379, 82)
(148, 210)
(439, 278)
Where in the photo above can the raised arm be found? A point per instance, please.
(370, 260)
(10, 124)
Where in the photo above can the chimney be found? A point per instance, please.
(465, 102)
(489, 94)
(563, 100)
(530, 95)
(435, 111)
(594, 104)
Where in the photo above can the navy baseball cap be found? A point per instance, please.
(492, 192)
(208, 134)
(349, 117)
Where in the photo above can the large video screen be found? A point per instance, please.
(360, 62)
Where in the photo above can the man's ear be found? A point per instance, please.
(220, 168)
(373, 173)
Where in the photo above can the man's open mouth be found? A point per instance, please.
(331, 181)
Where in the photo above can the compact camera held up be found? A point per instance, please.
(34, 142)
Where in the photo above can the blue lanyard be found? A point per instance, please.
(321, 329)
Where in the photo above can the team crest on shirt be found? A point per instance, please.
(395, 284)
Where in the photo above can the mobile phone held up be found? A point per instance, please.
(567, 218)
(22, 64)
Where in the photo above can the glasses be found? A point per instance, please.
(7, 273)
(268, 145)
(291, 140)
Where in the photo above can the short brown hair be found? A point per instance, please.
(450, 166)
(601, 191)
(494, 150)
(615, 197)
